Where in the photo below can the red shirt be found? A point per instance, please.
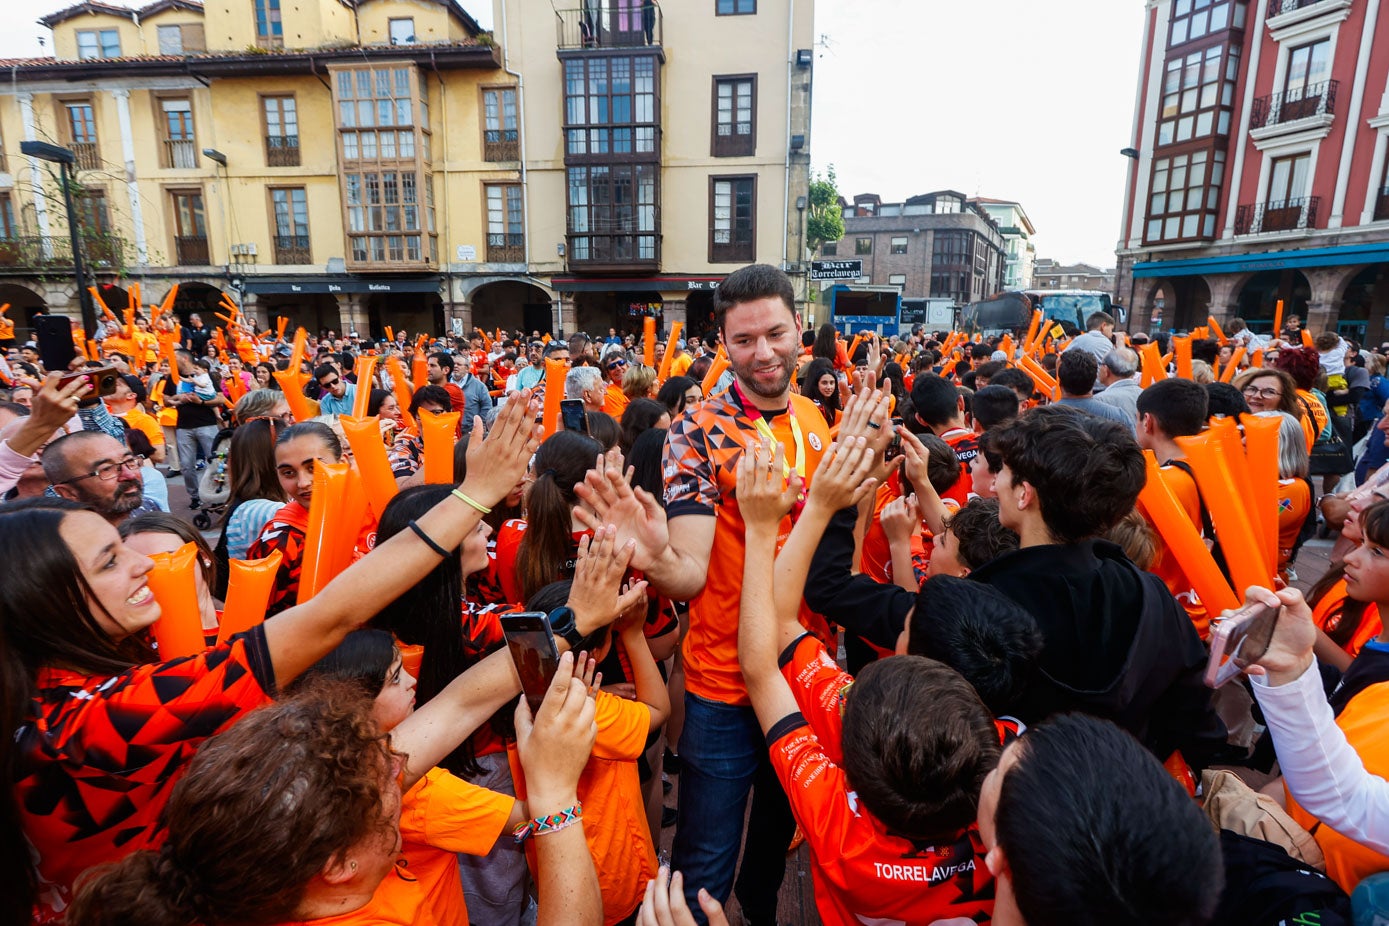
(863, 873)
(98, 756)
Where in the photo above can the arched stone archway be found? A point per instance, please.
(24, 305)
(1258, 297)
(1363, 302)
(199, 298)
(1177, 303)
(516, 305)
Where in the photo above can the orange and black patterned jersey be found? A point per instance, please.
(863, 873)
(965, 443)
(406, 455)
(99, 755)
(284, 532)
(702, 450)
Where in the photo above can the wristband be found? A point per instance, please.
(550, 823)
(477, 506)
(428, 540)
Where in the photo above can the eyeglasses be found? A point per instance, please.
(1265, 393)
(614, 364)
(108, 471)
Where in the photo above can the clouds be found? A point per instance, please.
(1016, 99)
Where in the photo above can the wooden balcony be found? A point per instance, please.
(506, 249)
(282, 150)
(180, 154)
(36, 252)
(292, 249)
(626, 24)
(192, 250)
(500, 145)
(87, 158)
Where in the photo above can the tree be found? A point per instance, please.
(824, 221)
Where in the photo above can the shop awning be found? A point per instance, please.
(267, 286)
(1268, 260)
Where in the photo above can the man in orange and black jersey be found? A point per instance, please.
(702, 562)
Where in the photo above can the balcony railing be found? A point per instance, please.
(1279, 7)
(192, 250)
(500, 145)
(282, 150)
(1278, 108)
(607, 251)
(1279, 215)
(87, 158)
(292, 249)
(35, 252)
(1382, 205)
(618, 24)
(180, 154)
(506, 249)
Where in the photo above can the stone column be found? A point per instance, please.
(672, 311)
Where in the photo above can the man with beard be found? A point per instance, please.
(96, 470)
(700, 560)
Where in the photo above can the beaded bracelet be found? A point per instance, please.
(476, 505)
(550, 823)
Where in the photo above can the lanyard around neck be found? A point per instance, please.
(765, 430)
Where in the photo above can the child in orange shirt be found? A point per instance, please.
(615, 824)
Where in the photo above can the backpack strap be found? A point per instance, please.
(1207, 525)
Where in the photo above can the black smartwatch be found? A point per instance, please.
(562, 625)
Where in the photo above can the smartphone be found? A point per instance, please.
(573, 416)
(533, 651)
(1239, 641)
(53, 335)
(894, 447)
(103, 380)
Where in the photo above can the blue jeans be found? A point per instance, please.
(723, 755)
(193, 444)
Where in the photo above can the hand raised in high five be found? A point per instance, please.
(497, 461)
(844, 476)
(596, 594)
(765, 495)
(866, 416)
(608, 498)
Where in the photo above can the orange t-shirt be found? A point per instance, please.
(1327, 614)
(965, 443)
(615, 401)
(702, 451)
(1165, 565)
(1294, 501)
(400, 900)
(681, 365)
(441, 816)
(1362, 721)
(615, 826)
(876, 559)
(862, 872)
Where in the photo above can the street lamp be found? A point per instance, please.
(66, 158)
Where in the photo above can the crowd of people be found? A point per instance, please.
(904, 600)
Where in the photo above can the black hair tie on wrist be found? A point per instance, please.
(428, 540)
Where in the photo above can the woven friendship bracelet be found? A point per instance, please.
(470, 502)
(550, 823)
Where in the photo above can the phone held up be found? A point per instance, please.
(533, 651)
(572, 415)
(1239, 641)
(103, 379)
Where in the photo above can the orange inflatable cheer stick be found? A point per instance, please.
(167, 305)
(1277, 317)
(1032, 329)
(399, 384)
(1306, 338)
(1238, 537)
(292, 384)
(1261, 454)
(1046, 383)
(249, 583)
(1153, 369)
(366, 366)
(1184, 542)
(325, 524)
(438, 433)
(1215, 328)
(1005, 344)
(1182, 348)
(296, 353)
(1228, 373)
(419, 370)
(236, 387)
(664, 373)
(648, 341)
(374, 467)
(390, 335)
(280, 324)
(355, 517)
(555, 371)
(1258, 359)
(179, 630)
(716, 370)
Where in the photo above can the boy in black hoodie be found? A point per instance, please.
(1117, 645)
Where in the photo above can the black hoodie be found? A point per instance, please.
(1117, 644)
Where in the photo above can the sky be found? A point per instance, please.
(1010, 99)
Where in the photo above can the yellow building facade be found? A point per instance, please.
(354, 164)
